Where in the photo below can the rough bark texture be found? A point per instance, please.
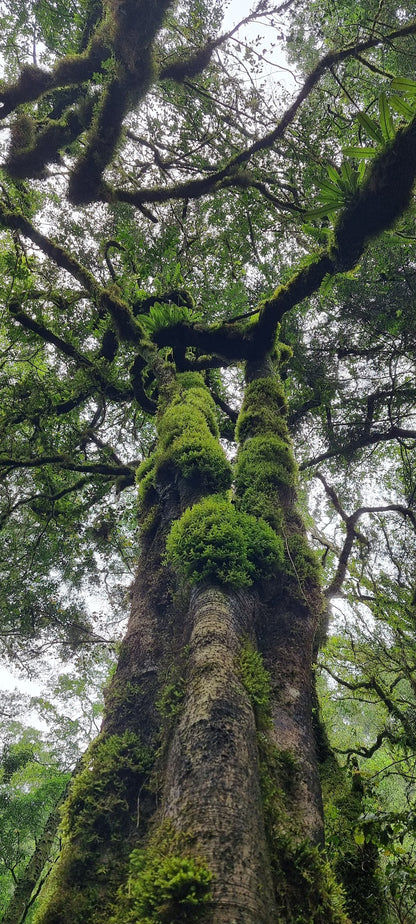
(212, 775)
(286, 635)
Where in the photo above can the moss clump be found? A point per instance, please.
(256, 680)
(198, 457)
(191, 379)
(266, 473)
(265, 479)
(264, 408)
(191, 407)
(163, 889)
(215, 542)
(145, 476)
(188, 444)
(98, 818)
(99, 804)
(255, 421)
(170, 699)
(306, 889)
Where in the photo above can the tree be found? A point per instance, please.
(150, 203)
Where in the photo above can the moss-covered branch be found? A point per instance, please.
(193, 189)
(126, 472)
(127, 328)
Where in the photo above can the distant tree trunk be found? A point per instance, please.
(23, 896)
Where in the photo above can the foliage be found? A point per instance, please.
(161, 889)
(31, 783)
(215, 542)
(256, 680)
(165, 210)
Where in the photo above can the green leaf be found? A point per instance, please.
(404, 85)
(371, 127)
(359, 153)
(401, 107)
(386, 121)
(348, 180)
(333, 174)
(332, 189)
(321, 210)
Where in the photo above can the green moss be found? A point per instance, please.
(170, 699)
(263, 409)
(99, 803)
(149, 521)
(147, 494)
(305, 886)
(285, 353)
(303, 563)
(166, 883)
(122, 697)
(308, 892)
(164, 890)
(215, 542)
(266, 473)
(187, 410)
(188, 443)
(99, 817)
(198, 457)
(256, 680)
(191, 379)
(265, 460)
(257, 421)
(262, 504)
(145, 468)
(265, 478)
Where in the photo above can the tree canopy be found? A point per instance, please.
(171, 203)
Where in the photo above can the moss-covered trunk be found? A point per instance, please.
(200, 798)
(212, 781)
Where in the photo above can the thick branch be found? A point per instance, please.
(98, 468)
(127, 328)
(193, 189)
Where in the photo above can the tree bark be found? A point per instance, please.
(212, 776)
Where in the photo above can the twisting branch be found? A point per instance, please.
(352, 534)
(361, 442)
(193, 189)
(368, 752)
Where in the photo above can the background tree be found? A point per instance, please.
(186, 249)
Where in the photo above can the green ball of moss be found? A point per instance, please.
(215, 542)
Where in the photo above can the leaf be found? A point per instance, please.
(386, 121)
(322, 210)
(404, 85)
(371, 127)
(348, 177)
(333, 174)
(401, 107)
(359, 153)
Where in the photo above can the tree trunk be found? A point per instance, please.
(200, 799)
(212, 776)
